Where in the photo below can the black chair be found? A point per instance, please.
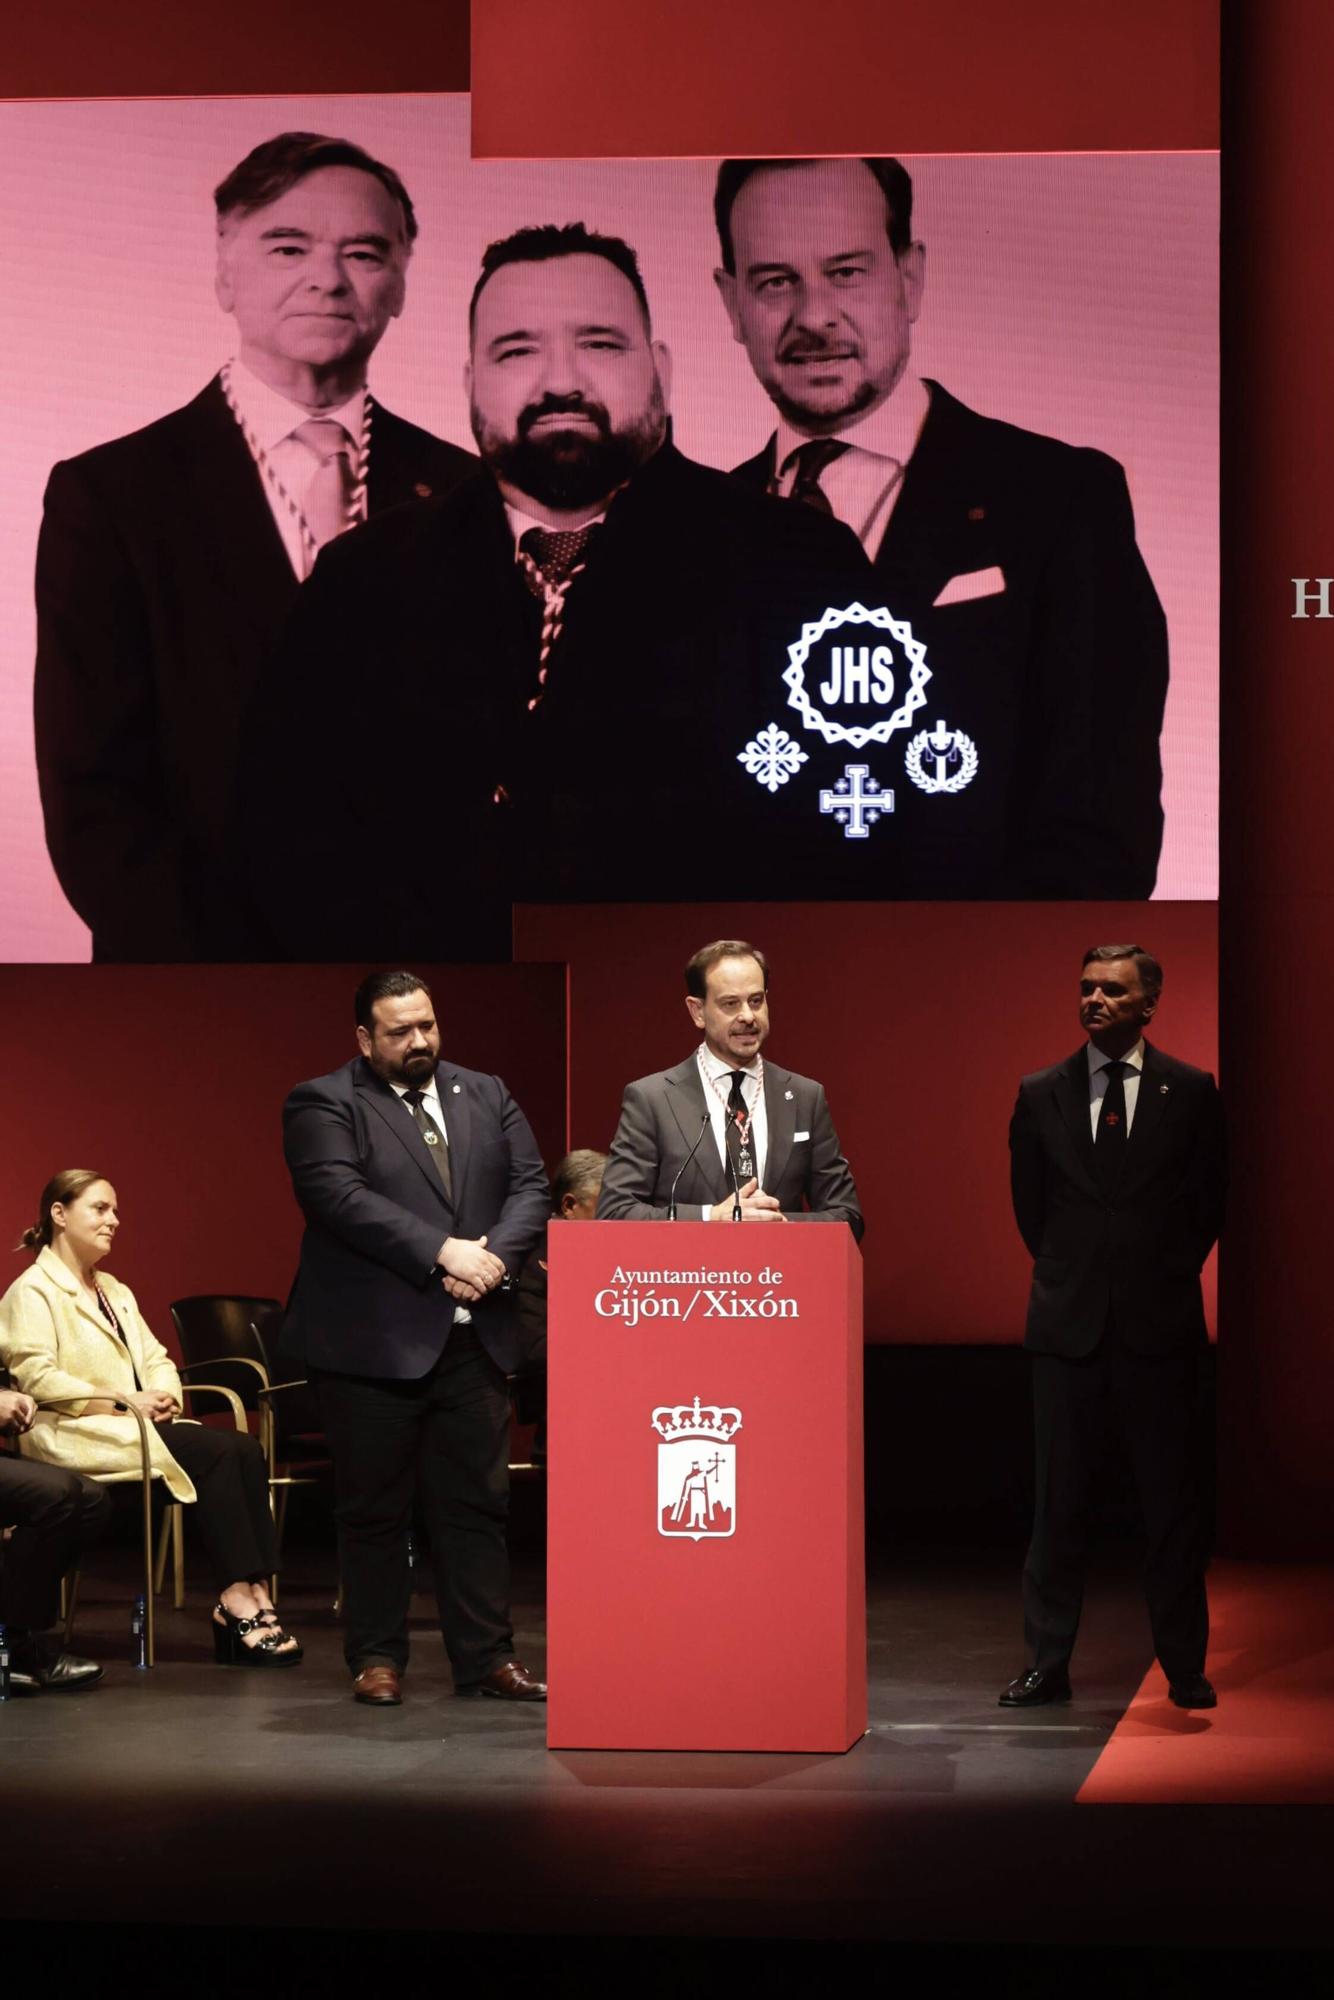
(235, 1338)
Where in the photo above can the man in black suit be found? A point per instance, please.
(1011, 556)
(168, 559)
(55, 1516)
(577, 647)
(423, 1191)
(726, 1136)
(1117, 1173)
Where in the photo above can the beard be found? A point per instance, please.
(571, 469)
(822, 415)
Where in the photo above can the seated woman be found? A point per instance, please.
(68, 1331)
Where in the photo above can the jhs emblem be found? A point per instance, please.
(696, 1469)
(941, 760)
(880, 682)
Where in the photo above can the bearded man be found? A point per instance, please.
(549, 656)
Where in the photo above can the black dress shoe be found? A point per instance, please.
(58, 1676)
(1038, 1685)
(1192, 1691)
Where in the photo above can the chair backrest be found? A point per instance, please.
(213, 1325)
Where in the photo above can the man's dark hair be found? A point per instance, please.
(384, 986)
(277, 165)
(543, 241)
(895, 183)
(1149, 970)
(709, 955)
(578, 1174)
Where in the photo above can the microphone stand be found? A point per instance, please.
(671, 1203)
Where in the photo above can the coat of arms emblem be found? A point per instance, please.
(696, 1469)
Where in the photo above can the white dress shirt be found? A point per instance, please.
(862, 486)
(716, 1077)
(520, 523)
(272, 419)
(1098, 1083)
(435, 1111)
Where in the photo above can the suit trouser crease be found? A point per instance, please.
(231, 1509)
(443, 1441)
(57, 1516)
(1153, 1402)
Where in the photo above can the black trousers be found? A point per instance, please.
(232, 1509)
(56, 1515)
(1153, 1401)
(442, 1440)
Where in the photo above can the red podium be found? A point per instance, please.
(706, 1582)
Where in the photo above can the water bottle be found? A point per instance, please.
(4, 1664)
(139, 1634)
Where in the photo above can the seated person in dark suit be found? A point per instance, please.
(1012, 556)
(581, 642)
(168, 559)
(575, 1187)
(49, 1518)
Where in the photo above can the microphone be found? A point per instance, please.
(729, 1118)
(671, 1202)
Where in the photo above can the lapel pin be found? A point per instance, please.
(1163, 1089)
(457, 1089)
(788, 1095)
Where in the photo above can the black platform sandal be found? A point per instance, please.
(269, 1619)
(231, 1650)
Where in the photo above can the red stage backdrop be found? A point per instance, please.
(171, 1080)
(919, 1019)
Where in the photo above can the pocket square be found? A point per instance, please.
(797, 1137)
(973, 583)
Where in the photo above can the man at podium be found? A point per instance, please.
(726, 1136)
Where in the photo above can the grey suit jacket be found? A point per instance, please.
(661, 1118)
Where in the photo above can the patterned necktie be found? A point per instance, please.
(549, 559)
(554, 554)
(1110, 1147)
(810, 460)
(326, 500)
(738, 1149)
(430, 1131)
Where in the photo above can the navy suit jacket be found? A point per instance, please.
(1133, 1252)
(162, 582)
(368, 1298)
(1057, 670)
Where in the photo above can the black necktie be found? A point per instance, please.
(430, 1131)
(810, 460)
(553, 554)
(1110, 1147)
(741, 1156)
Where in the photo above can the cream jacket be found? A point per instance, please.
(55, 1342)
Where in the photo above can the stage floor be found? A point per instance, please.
(196, 1794)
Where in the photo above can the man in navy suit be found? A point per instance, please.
(1012, 556)
(423, 1191)
(1117, 1175)
(168, 559)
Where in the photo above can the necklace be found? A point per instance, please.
(357, 504)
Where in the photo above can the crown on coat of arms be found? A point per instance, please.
(703, 1420)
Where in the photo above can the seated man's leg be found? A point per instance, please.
(55, 1516)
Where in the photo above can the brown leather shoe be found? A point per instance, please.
(510, 1682)
(379, 1685)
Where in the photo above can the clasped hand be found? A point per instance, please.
(755, 1207)
(17, 1412)
(470, 1269)
(155, 1404)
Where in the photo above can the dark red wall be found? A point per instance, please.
(170, 1080)
(919, 1019)
(1276, 1354)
